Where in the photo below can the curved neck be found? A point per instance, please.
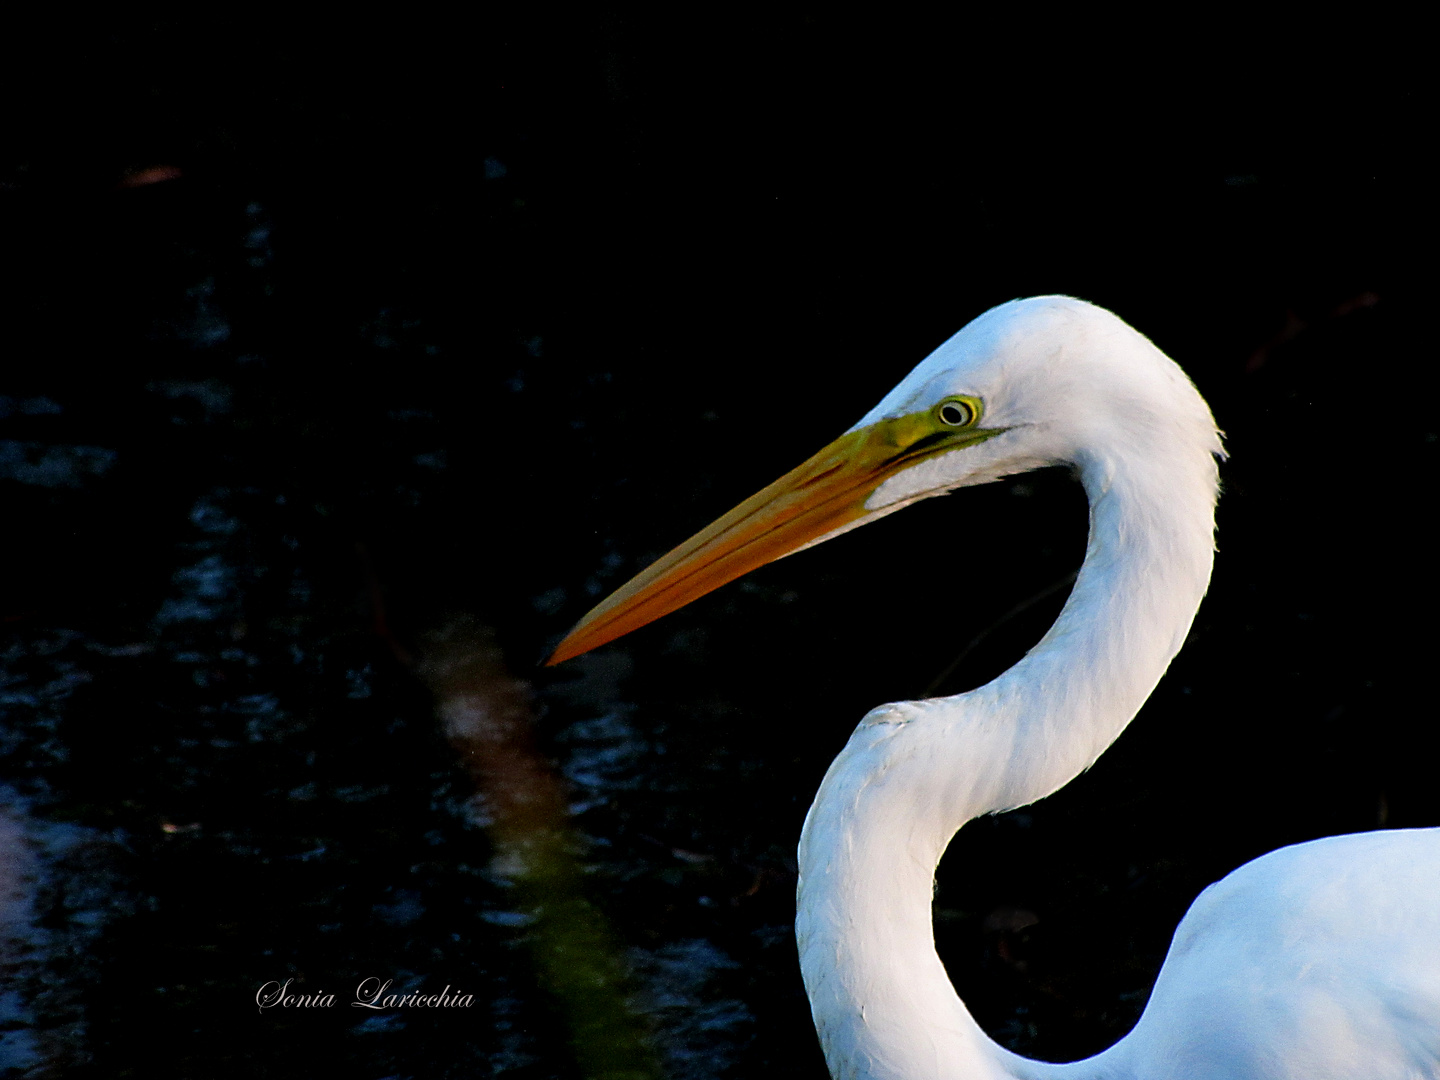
(914, 772)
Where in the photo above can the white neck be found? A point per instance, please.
(914, 772)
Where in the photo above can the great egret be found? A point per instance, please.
(1315, 962)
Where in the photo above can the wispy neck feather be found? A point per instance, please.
(914, 772)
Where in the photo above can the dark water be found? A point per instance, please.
(342, 369)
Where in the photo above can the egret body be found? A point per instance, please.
(1316, 962)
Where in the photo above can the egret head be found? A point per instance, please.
(1029, 383)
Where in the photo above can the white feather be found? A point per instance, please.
(1320, 961)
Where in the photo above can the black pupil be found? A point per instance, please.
(952, 413)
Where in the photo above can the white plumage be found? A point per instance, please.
(1316, 962)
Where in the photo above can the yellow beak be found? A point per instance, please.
(825, 494)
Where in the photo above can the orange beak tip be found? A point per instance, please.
(557, 656)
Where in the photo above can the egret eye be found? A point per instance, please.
(955, 413)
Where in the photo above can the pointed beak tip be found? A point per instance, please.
(580, 640)
(561, 654)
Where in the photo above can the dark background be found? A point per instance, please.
(321, 336)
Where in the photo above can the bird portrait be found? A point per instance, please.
(1321, 959)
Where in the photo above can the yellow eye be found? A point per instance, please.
(956, 412)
